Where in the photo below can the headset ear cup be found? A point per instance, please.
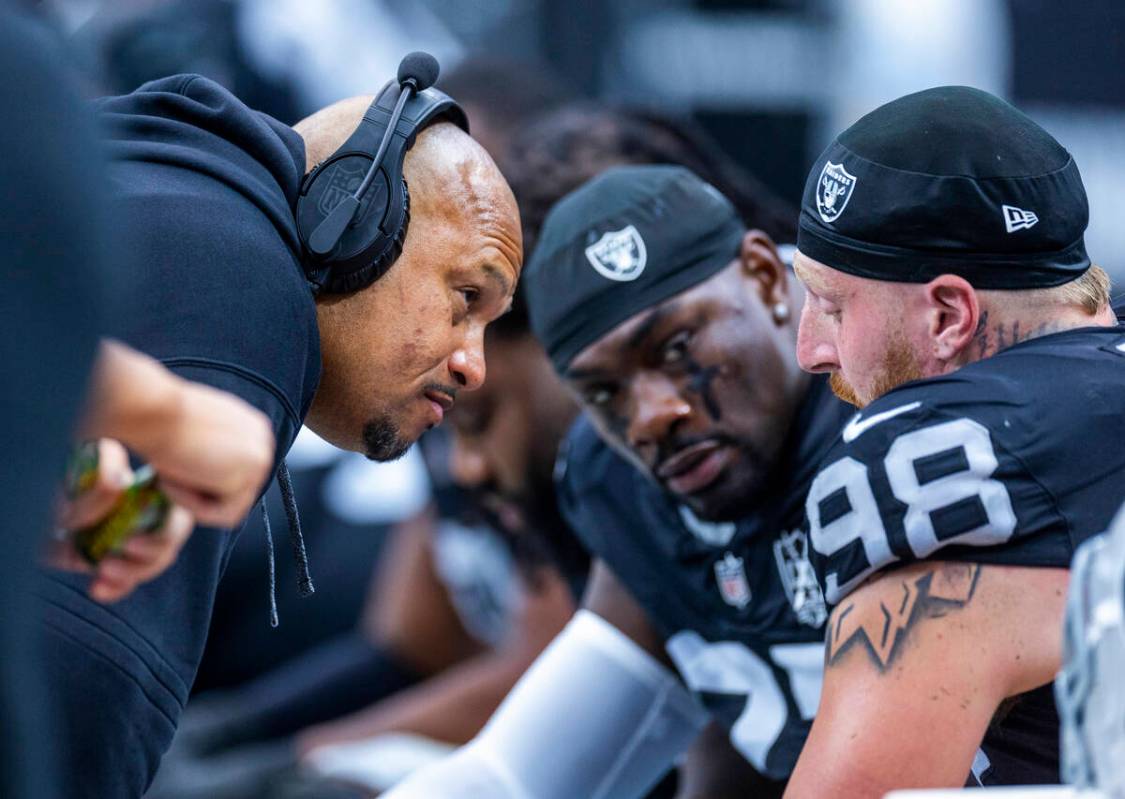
(394, 249)
(362, 278)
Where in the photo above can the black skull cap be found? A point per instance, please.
(947, 180)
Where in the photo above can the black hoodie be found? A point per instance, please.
(204, 192)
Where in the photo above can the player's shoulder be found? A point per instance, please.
(1017, 393)
(1014, 459)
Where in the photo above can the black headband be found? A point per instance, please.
(623, 242)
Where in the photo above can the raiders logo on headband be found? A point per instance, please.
(618, 254)
(833, 191)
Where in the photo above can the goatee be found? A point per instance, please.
(383, 441)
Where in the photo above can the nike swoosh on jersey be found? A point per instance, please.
(855, 428)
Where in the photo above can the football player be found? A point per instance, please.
(672, 324)
(1088, 690)
(950, 296)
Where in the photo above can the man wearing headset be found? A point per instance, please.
(353, 299)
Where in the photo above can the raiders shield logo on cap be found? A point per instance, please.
(833, 191)
(618, 254)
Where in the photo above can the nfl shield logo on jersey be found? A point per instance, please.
(618, 254)
(792, 552)
(731, 577)
(833, 191)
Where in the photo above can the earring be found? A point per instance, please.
(780, 312)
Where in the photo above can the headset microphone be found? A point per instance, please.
(352, 229)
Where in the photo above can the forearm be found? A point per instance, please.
(595, 717)
(132, 398)
(452, 706)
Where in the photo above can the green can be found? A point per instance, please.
(142, 508)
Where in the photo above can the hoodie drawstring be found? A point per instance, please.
(296, 539)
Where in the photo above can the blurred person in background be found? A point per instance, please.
(502, 95)
(220, 294)
(562, 149)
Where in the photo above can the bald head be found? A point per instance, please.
(416, 333)
(446, 169)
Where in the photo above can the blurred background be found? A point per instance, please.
(770, 80)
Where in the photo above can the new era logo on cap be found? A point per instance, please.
(1017, 218)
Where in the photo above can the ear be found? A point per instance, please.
(761, 261)
(953, 314)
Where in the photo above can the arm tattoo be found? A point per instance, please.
(945, 588)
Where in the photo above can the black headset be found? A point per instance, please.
(354, 207)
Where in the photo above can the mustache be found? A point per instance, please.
(451, 391)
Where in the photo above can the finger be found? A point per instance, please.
(106, 590)
(116, 570)
(206, 508)
(113, 458)
(93, 504)
(123, 571)
(149, 555)
(143, 558)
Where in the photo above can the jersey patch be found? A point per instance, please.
(791, 550)
(730, 574)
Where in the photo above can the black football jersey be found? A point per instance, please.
(736, 602)
(1012, 460)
